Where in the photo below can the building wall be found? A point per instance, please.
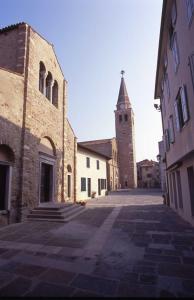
(92, 172)
(11, 107)
(70, 160)
(148, 174)
(179, 153)
(108, 147)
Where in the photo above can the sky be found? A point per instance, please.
(94, 40)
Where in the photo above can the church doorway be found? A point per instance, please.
(4, 180)
(6, 161)
(46, 185)
(47, 159)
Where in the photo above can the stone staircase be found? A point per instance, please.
(55, 212)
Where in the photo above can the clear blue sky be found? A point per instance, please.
(94, 40)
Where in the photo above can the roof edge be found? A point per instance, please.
(93, 151)
(160, 46)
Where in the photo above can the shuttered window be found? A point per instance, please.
(181, 108)
(191, 64)
(184, 104)
(190, 9)
(175, 52)
(171, 129)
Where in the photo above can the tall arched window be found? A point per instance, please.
(42, 73)
(49, 80)
(55, 94)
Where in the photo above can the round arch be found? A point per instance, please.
(69, 169)
(6, 154)
(47, 146)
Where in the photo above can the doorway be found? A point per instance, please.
(69, 186)
(46, 182)
(99, 187)
(4, 186)
(89, 187)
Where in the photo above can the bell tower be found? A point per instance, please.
(124, 124)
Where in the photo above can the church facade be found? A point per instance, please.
(37, 143)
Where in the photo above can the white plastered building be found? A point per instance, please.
(91, 173)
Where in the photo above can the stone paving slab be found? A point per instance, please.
(127, 244)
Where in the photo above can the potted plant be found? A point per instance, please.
(93, 194)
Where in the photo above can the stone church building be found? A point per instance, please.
(37, 143)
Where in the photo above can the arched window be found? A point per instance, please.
(49, 80)
(42, 73)
(55, 94)
(69, 170)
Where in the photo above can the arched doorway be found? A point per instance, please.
(69, 174)
(47, 157)
(6, 162)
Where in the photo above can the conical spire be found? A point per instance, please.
(123, 96)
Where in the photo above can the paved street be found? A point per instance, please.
(127, 244)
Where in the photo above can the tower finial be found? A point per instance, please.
(122, 73)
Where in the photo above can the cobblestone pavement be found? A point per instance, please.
(127, 244)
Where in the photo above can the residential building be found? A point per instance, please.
(91, 173)
(107, 147)
(37, 143)
(148, 174)
(162, 166)
(174, 87)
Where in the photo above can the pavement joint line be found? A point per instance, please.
(97, 242)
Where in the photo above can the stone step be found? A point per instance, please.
(53, 207)
(63, 215)
(37, 211)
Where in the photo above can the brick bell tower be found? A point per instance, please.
(124, 124)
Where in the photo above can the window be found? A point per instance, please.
(190, 173)
(83, 184)
(174, 14)
(171, 129)
(190, 9)
(163, 105)
(126, 118)
(175, 52)
(171, 188)
(49, 80)
(55, 94)
(167, 142)
(97, 164)
(167, 85)
(165, 61)
(181, 108)
(191, 64)
(42, 72)
(120, 118)
(179, 187)
(174, 189)
(87, 162)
